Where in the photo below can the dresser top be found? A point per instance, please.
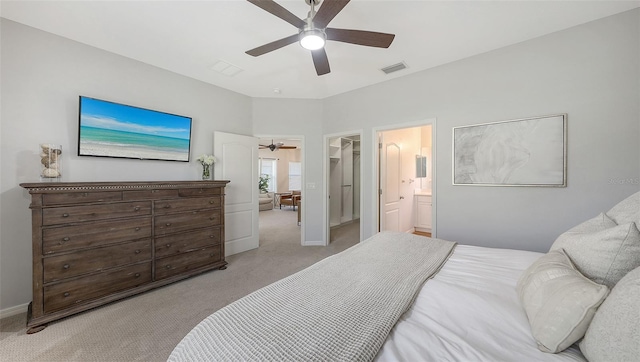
(44, 187)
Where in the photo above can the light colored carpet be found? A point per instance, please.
(148, 326)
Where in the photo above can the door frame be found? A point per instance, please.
(303, 160)
(377, 172)
(326, 207)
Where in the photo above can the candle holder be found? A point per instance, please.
(51, 161)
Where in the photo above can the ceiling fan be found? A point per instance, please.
(313, 31)
(277, 146)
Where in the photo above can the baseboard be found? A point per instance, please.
(313, 243)
(15, 310)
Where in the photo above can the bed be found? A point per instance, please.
(401, 297)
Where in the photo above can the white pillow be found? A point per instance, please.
(558, 300)
(614, 332)
(603, 256)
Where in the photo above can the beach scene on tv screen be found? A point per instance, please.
(117, 130)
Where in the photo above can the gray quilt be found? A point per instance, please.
(339, 309)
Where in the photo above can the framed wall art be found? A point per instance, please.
(521, 152)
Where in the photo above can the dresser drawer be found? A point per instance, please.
(69, 214)
(93, 260)
(197, 192)
(186, 221)
(179, 205)
(149, 194)
(183, 263)
(82, 290)
(67, 238)
(185, 242)
(80, 197)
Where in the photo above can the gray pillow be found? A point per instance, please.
(604, 256)
(627, 210)
(558, 300)
(614, 332)
(598, 223)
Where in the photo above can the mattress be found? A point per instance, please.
(470, 311)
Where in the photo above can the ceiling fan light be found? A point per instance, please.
(312, 39)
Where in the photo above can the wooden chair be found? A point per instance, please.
(290, 199)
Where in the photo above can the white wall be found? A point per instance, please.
(42, 77)
(591, 72)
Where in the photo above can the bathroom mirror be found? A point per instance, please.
(421, 166)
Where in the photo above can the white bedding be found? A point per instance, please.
(470, 312)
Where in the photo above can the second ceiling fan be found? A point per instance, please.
(277, 146)
(313, 31)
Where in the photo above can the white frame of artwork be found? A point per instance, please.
(520, 152)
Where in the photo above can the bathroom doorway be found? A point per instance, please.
(405, 162)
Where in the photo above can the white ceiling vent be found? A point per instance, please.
(394, 68)
(225, 68)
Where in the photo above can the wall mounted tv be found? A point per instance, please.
(110, 129)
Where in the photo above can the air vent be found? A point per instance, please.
(394, 68)
(225, 68)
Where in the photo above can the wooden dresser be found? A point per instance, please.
(97, 242)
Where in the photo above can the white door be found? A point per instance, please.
(237, 161)
(390, 197)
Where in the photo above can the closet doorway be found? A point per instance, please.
(405, 164)
(280, 168)
(343, 174)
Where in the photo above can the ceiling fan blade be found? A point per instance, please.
(320, 61)
(328, 10)
(277, 10)
(360, 37)
(263, 49)
(287, 147)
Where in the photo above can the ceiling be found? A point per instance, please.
(191, 37)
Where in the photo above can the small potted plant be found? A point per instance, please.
(263, 183)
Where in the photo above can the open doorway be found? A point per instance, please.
(343, 180)
(280, 165)
(405, 162)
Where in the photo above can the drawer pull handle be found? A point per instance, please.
(65, 215)
(167, 206)
(66, 238)
(212, 236)
(168, 245)
(66, 294)
(137, 275)
(137, 251)
(212, 217)
(212, 202)
(137, 228)
(66, 266)
(168, 224)
(168, 267)
(212, 254)
(137, 208)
